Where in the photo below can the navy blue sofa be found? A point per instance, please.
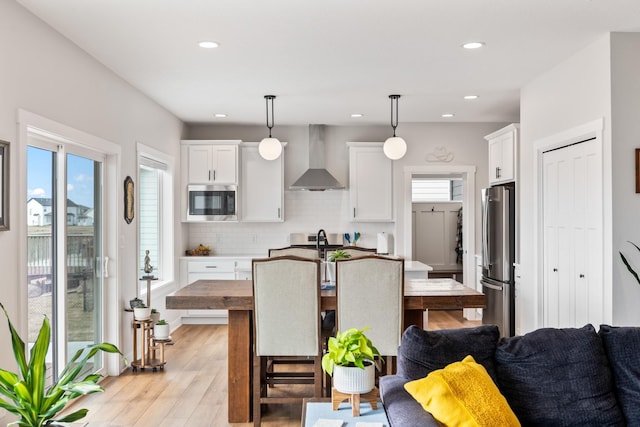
(550, 377)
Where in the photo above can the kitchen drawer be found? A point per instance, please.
(212, 266)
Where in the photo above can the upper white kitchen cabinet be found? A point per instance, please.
(262, 183)
(503, 154)
(210, 162)
(370, 183)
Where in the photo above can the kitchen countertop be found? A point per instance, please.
(409, 265)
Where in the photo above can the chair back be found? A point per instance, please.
(286, 313)
(291, 250)
(370, 293)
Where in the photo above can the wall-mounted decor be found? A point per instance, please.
(637, 170)
(128, 199)
(4, 185)
(440, 155)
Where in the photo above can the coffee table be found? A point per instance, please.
(320, 408)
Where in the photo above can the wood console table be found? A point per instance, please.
(237, 297)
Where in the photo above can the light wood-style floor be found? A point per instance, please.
(192, 389)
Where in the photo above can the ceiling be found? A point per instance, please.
(325, 60)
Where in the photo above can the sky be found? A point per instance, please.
(79, 176)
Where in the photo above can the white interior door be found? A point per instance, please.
(573, 289)
(434, 234)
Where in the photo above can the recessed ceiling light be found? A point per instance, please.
(448, 115)
(220, 115)
(471, 97)
(356, 115)
(473, 45)
(208, 44)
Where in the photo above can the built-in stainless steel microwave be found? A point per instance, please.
(212, 203)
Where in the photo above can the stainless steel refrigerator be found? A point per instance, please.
(498, 256)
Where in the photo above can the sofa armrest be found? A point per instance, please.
(402, 409)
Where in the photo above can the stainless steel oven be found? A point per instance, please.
(212, 203)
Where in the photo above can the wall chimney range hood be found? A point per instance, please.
(316, 178)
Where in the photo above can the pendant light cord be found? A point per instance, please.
(269, 124)
(394, 117)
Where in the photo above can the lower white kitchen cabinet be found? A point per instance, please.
(194, 268)
(208, 269)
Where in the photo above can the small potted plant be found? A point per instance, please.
(350, 361)
(161, 330)
(25, 393)
(331, 262)
(155, 315)
(141, 312)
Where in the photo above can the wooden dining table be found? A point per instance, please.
(237, 297)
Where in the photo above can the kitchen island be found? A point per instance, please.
(236, 296)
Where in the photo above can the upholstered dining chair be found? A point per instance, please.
(286, 315)
(370, 293)
(295, 251)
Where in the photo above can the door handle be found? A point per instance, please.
(490, 286)
(106, 267)
(555, 270)
(497, 172)
(581, 276)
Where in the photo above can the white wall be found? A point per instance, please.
(625, 95)
(309, 211)
(599, 82)
(45, 74)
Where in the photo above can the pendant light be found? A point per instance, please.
(270, 148)
(394, 147)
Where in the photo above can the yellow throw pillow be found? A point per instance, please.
(463, 394)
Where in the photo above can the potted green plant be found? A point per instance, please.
(350, 361)
(155, 315)
(141, 312)
(161, 330)
(331, 262)
(24, 394)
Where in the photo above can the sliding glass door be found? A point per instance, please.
(64, 246)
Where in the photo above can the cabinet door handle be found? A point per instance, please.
(582, 276)
(555, 270)
(214, 174)
(278, 212)
(209, 174)
(211, 266)
(354, 212)
(497, 172)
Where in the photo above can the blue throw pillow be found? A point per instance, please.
(422, 352)
(622, 345)
(558, 377)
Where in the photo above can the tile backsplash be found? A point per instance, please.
(305, 212)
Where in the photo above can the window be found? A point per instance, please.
(435, 190)
(155, 214)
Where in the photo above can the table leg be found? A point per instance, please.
(239, 364)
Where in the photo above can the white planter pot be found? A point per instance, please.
(141, 313)
(353, 380)
(155, 317)
(161, 332)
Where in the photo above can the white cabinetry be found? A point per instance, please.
(213, 269)
(370, 183)
(210, 162)
(262, 186)
(503, 152)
